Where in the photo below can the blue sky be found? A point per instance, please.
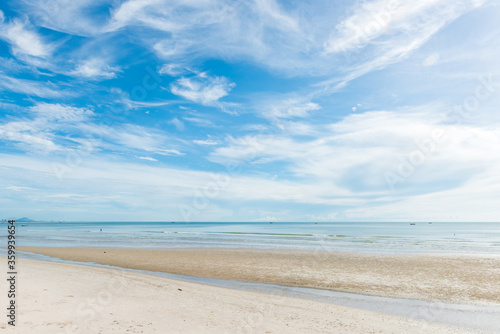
(201, 110)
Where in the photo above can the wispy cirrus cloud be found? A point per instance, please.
(290, 108)
(388, 31)
(377, 19)
(172, 69)
(277, 36)
(31, 87)
(28, 136)
(148, 158)
(206, 142)
(60, 16)
(199, 121)
(221, 23)
(57, 128)
(95, 68)
(152, 13)
(61, 113)
(17, 188)
(130, 137)
(202, 88)
(40, 132)
(23, 39)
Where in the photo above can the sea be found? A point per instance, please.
(368, 237)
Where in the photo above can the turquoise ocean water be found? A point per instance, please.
(438, 237)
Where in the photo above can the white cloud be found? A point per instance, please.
(376, 19)
(207, 142)
(291, 108)
(30, 135)
(388, 31)
(272, 14)
(294, 39)
(61, 113)
(172, 49)
(72, 17)
(107, 183)
(126, 137)
(96, 68)
(138, 104)
(475, 201)
(431, 60)
(355, 108)
(343, 168)
(66, 195)
(299, 128)
(177, 123)
(56, 127)
(24, 40)
(170, 152)
(148, 158)
(30, 88)
(262, 30)
(200, 121)
(173, 70)
(203, 89)
(149, 12)
(360, 151)
(39, 133)
(17, 188)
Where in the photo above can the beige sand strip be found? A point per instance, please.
(468, 279)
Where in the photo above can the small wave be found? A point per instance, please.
(271, 234)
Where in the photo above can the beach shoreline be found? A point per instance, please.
(446, 278)
(68, 298)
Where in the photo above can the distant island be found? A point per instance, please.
(21, 220)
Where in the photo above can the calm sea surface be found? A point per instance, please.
(473, 238)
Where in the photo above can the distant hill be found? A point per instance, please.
(25, 220)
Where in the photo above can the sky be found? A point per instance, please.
(253, 110)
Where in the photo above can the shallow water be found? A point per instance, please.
(470, 238)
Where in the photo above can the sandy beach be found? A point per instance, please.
(65, 298)
(450, 278)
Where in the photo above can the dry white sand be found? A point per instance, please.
(65, 298)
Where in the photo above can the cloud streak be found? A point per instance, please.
(204, 89)
(95, 68)
(388, 31)
(24, 40)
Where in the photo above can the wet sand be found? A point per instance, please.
(66, 298)
(450, 278)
